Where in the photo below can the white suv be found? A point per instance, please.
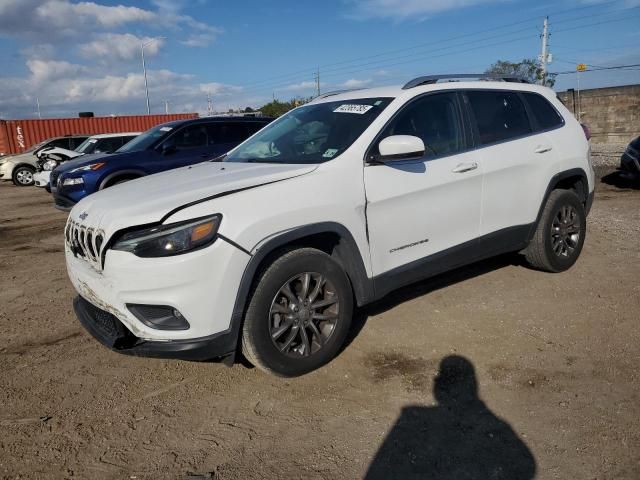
(267, 250)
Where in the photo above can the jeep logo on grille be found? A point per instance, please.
(83, 215)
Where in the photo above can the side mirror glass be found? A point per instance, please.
(400, 147)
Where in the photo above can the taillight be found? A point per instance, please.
(587, 132)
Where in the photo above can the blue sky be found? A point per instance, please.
(75, 56)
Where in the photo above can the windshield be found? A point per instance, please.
(87, 146)
(311, 134)
(146, 139)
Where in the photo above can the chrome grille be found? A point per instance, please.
(84, 242)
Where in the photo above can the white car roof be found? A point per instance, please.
(111, 135)
(398, 92)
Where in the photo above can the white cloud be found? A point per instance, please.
(355, 83)
(47, 19)
(407, 9)
(116, 46)
(299, 86)
(65, 88)
(203, 39)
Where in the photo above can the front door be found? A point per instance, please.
(421, 207)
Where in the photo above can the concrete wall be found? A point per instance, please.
(612, 114)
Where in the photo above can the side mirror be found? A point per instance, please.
(400, 147)
(168, 147)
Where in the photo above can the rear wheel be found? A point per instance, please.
(23, 176)
(560, 234)
(299, 314)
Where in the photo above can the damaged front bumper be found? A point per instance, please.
(111, 333)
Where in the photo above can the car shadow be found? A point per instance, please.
(459, 438)
(621, 180)
(419, 289)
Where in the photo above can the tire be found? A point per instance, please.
(560, 233)
(23, 176)
(275, 324)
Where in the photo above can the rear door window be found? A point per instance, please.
(545, 115)
(192, 136)
(499, 115)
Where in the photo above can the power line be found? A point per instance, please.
(311, 70)
(598, 69)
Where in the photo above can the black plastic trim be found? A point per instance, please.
(553, 183)
(123, 341)
(120, 173)
(503, 241)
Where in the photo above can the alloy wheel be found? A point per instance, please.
(303, 315)
(565, 231)
(24, 177)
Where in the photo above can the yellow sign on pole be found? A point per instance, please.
(581, 67)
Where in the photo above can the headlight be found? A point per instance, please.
(86, 168)
(167, 240)
(73, 181)
(49, 165)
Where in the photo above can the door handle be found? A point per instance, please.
(465, 167)
(543, 149)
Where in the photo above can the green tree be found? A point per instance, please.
(528, 68)
(277, 108)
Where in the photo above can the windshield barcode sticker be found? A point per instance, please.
(359, 109)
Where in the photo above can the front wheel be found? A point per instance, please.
(299, 314)
(560, 234)
(23, 176)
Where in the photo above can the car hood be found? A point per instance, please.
(28, 157)
(149, 199)
(84, 160)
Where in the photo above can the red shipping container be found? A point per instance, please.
(18, 135)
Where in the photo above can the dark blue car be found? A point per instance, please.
(167, 146)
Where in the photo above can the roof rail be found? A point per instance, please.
(336, 92)
(430, 79)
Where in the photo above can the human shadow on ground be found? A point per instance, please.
(459, 438)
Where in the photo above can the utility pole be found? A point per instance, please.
(544, 56)
(38, 107)
(144, 68)
(316, 77)
(166, 106)
(209, 105)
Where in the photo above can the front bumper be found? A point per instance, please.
(6, 170)
(630, 164)
(41, 179)
(112, 333)
(61, 202)
(202, 285)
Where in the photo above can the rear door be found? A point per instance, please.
(417, 208)
(512, 156)
(224, 136)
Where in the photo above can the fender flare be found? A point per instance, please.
(346, 253)
(555, 180)
(118, 173)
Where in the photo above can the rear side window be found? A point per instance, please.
(545, 115)
(499, 115)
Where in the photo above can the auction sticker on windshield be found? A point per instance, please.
(166, 129)
(359, 109)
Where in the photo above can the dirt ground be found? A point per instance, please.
(554, 357)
